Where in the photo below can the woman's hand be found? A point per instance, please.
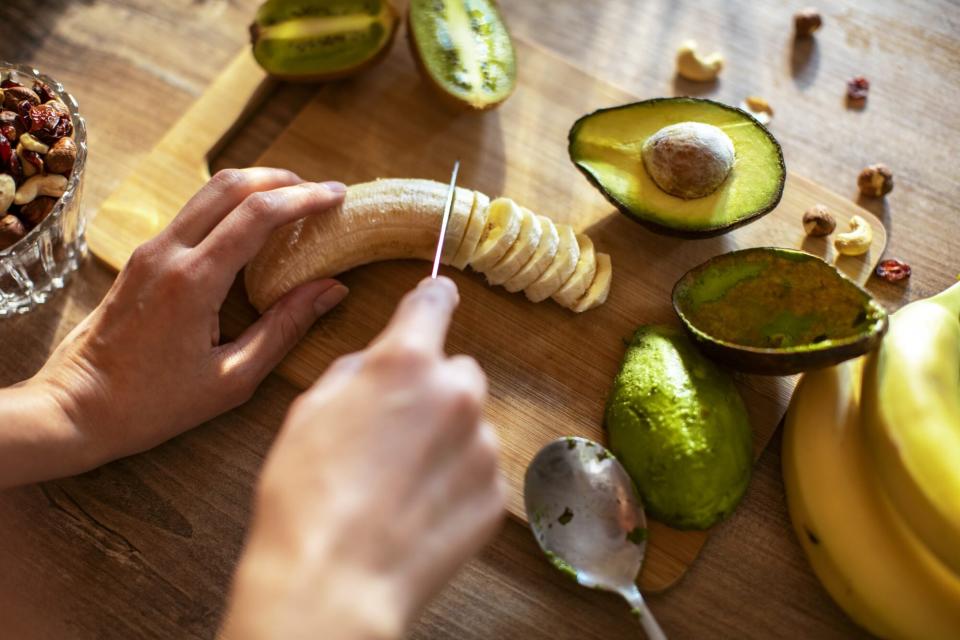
(147, 363)
(382, 482)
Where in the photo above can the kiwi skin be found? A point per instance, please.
(342, 73)
(448, 99)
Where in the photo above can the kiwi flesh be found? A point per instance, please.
(315, 40)
(464, 50)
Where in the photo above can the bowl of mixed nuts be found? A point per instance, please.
(43, 151)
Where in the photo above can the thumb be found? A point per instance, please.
(247, 360)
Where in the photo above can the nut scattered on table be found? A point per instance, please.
(692, 66)
(818, 221)
(875, 181)
(857, 90)
(806, 22)
(758, 108)
(857, 240)
(893, 270)
(37, 155)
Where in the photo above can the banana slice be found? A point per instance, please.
(504, 219)
(541, 259)
(562, 267)
(379, 220)
(526, 245)
(471, 238)
(597, 294)
(581, 278)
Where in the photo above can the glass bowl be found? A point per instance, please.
(43, 260)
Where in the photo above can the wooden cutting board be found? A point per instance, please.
(550, 370)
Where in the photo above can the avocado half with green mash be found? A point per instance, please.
(677, 423)
(777, 311)
(681, 166)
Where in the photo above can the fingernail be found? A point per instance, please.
(330, 298)
(334, 187)
(442, 285)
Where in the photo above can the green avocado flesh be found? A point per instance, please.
(465, 49)
(777, 311)
(321, 39)
(606, 146)
(678, 424)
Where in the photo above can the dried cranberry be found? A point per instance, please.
(6, 84)
(857, 89)
(9, 131)
(893, 270)
(44, 91)
(46, 121)
(6, 151)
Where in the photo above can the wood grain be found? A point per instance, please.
(136, 65)
(549, 370)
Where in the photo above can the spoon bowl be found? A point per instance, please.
(586, 515)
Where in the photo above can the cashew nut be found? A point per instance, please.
(26, 166)
(692, 67)
(8, 187)
(49, 185)
(856, 241)
(33, 144)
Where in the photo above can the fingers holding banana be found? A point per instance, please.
(390, 219)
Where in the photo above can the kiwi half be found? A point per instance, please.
(313, 40)
(464, 50)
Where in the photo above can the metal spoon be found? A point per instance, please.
(585, 513)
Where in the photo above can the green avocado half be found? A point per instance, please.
(777, 311)
(736, 170)
(677, 423)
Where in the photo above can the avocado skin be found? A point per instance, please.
(783, 361)
(655, 226)
(679, 426)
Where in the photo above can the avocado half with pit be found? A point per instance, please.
(777, 311)
(681, 166)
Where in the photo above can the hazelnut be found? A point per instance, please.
(875, 181)
(805, 22)
(13, 96)
(33, 213)
(818, 221)
(62, 156)
(11, 230)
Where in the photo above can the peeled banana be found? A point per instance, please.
(911, 413)
(400, 218)
(862, 550)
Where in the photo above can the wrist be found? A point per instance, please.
(40, 440)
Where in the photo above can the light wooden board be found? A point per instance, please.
(549, 370)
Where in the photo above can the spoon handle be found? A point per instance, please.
(649, 623)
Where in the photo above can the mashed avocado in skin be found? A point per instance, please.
(678, 424)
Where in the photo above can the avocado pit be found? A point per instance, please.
(688, 159)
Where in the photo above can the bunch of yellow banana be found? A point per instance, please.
(871, 464)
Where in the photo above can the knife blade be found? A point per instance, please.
(446, 218)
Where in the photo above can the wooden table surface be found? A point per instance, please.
(144, 547)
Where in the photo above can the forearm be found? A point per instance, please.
(38, 441)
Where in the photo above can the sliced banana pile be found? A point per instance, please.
(400, 218)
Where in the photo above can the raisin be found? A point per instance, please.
(44, 91)
(893, 270)
(857, 89)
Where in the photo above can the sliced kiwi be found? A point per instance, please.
(464, 50)
(312, 40)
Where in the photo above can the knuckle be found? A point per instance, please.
(288, 327)
(228, 179)
(403, 354)
(260, 204)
